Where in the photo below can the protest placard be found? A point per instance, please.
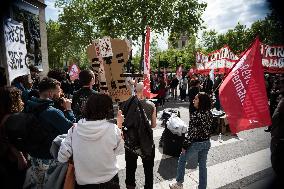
(109, 65)
(15, 49)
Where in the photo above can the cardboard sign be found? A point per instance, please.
(109, 65)
(16, 51)
(98, 64)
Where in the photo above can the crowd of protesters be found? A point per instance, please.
(93, 137)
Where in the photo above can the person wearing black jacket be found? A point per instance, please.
(129, 108)
(196, 141)
(208, 85)
(80, 97)
(277, 135)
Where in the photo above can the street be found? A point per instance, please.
(236, 162)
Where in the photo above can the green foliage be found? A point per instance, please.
(175, 57)
(84, 20)
(55, 48)
(238, 39)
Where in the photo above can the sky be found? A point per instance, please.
(219, 15)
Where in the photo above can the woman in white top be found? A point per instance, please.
(94, 144)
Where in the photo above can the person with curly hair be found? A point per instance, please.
(13, 163)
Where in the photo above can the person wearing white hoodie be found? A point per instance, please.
(94, 143)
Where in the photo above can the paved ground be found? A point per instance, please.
(236, 162)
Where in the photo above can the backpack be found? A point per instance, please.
(138, 135)
(26, 132)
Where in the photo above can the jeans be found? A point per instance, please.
(202, 149)
(131, 165)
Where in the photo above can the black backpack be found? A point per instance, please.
(27, 133)
(137, 131)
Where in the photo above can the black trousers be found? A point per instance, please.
(112, 184)
(131, 165)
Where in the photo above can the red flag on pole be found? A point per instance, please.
(147, 67)
(243, 93)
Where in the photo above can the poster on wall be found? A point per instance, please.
(108, 57)
(16, 51)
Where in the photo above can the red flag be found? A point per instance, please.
(243, 94)
(147, 67)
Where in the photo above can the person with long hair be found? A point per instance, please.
(196, 141)
(12, 162)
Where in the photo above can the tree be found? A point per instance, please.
(130, 18)
(60, 50)
(55, 49)
(175, 57)
(239, 38)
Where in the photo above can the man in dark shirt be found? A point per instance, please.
(130, 157)
(208, 85)
(80, 97)
(173, 86)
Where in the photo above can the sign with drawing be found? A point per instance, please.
(108, 57)
(15, 49)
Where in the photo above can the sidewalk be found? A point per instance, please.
(227, 172)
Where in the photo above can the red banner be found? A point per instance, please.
(243, 95)
(272, 58)
(220, 60)
(147, 67)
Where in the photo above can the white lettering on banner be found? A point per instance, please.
(240, 89)
(15, 49)
(280, 52)
(223, 53)
(277, 63)
(272, 51)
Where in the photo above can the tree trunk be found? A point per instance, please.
(141, 68)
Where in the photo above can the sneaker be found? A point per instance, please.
(176, 186)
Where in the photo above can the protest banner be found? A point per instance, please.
(221, 61)
(244, 88)
(272, 58)
(15, 49)
(107, 57)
